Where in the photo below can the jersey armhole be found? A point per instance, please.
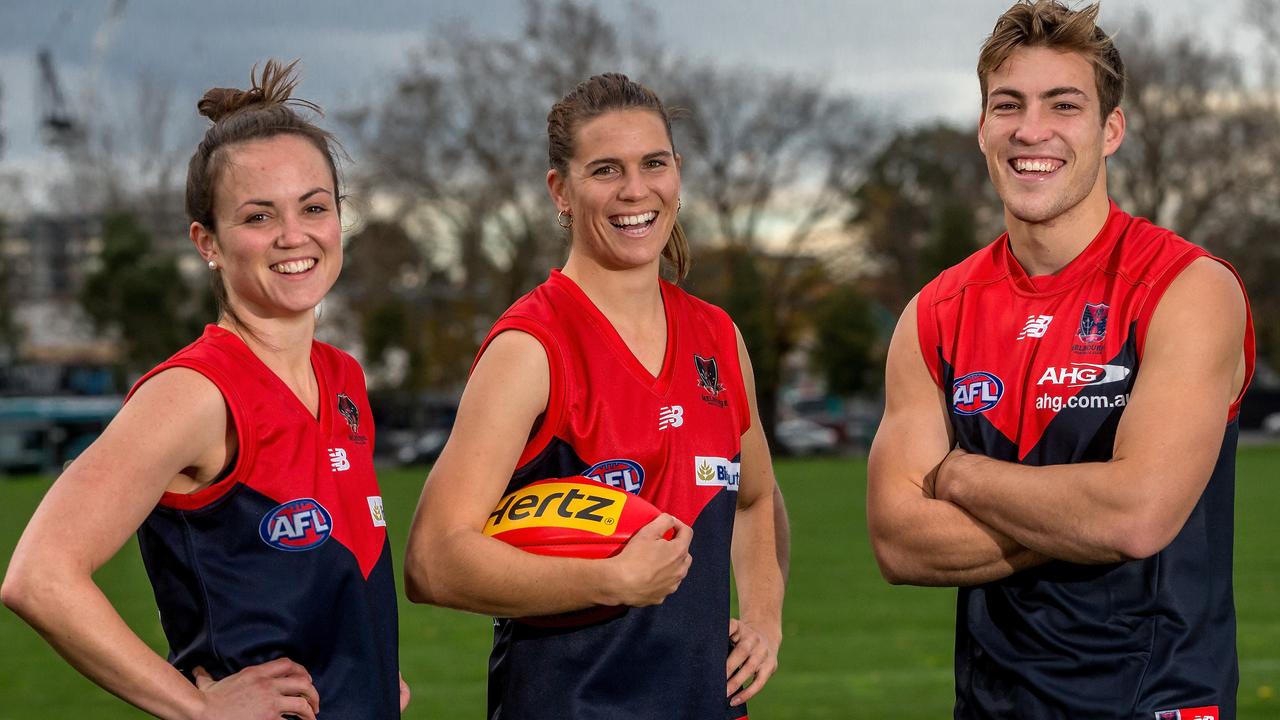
(1162, 283)
(552, 420)
(927, 332)
(241, 459)
(737, 381)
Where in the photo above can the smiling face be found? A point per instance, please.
(278, 235)
(1041, 134)
(622, 188)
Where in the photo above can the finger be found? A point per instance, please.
(734, 629)
(405, 694)
(296, 707)
(738, 658)
(757, 683)
(657, 527)
(298, 687)
(203, 679)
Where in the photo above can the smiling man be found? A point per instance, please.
(1061, 417)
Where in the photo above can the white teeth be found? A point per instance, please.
(636, 219)
(1028, 165)
(294, 266)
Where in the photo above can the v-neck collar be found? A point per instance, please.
(322, 389)
(658, 384)
(1075, 271)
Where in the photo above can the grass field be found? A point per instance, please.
(854, 648)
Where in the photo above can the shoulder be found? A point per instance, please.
(982, 267)
(1206, 287)
(178, 397)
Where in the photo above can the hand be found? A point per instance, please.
(939, 483)
(754, 657)
(261, 692)
(404, 694)
(650, 567)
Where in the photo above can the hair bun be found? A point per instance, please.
(272, 87)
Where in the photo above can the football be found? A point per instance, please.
(570, 517)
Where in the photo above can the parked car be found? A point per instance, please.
(801, 436)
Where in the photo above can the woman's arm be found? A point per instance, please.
(450, 561)
(174, 427)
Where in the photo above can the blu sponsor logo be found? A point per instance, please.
(295, 526)
(976, 393)
(717, 472)
(620, 473)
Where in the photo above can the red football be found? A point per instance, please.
(570, 517)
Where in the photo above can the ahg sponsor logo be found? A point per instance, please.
(1081, 374)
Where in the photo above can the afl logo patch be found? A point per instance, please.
(620, 473)
(297, 525)
(976, 393)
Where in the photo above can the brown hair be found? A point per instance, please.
(592, 98)
(265, 110)
(1049, 23)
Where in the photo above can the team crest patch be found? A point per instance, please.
(1093, 323)
(297, 525)
(619, 473)
(709, 379)
(348, 410)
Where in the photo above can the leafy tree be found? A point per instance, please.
(137, 295)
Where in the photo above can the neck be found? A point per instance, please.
(1044, 248)
(624, 296)
(282, 344)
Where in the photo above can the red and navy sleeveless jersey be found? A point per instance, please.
(674, 440)
(1038, 370)
(287, 555)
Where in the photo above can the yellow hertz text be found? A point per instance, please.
(561, 505)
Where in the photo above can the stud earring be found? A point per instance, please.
(213, 265)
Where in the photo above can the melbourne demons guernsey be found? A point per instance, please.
(1038, 371)
(287, 554)
(674, 440)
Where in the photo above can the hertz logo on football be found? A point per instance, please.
(593, 508)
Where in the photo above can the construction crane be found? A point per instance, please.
(59, 124)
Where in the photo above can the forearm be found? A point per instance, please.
(1084, 512)
(468, 571)
(78, 621)
(761, 543)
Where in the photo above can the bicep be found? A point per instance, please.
(174, 421)
(757, 480)
(914, 434)
(1173, 422)
(507, 392)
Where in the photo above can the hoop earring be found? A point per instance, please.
(679, 204)
(564, 220)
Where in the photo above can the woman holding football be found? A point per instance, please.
(605, 365)
(243, 463)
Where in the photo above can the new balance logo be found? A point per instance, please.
(338, 460)
(1037, 326)
(670, 416)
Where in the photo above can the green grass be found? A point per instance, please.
(855, 647)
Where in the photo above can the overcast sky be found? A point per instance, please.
(912, 59)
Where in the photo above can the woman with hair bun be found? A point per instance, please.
(606, 366)
(243, 462)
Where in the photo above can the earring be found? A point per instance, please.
(213, 265)
(679, 204)
(564, 220)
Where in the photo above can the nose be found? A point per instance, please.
(633, 187)
(1033, 127)
(292, 231)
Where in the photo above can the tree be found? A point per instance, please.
(137, 295)
(1200, 154)
(926, 204)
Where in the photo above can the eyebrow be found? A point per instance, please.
(301, 198)
(616, 161)
(1046, 95)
